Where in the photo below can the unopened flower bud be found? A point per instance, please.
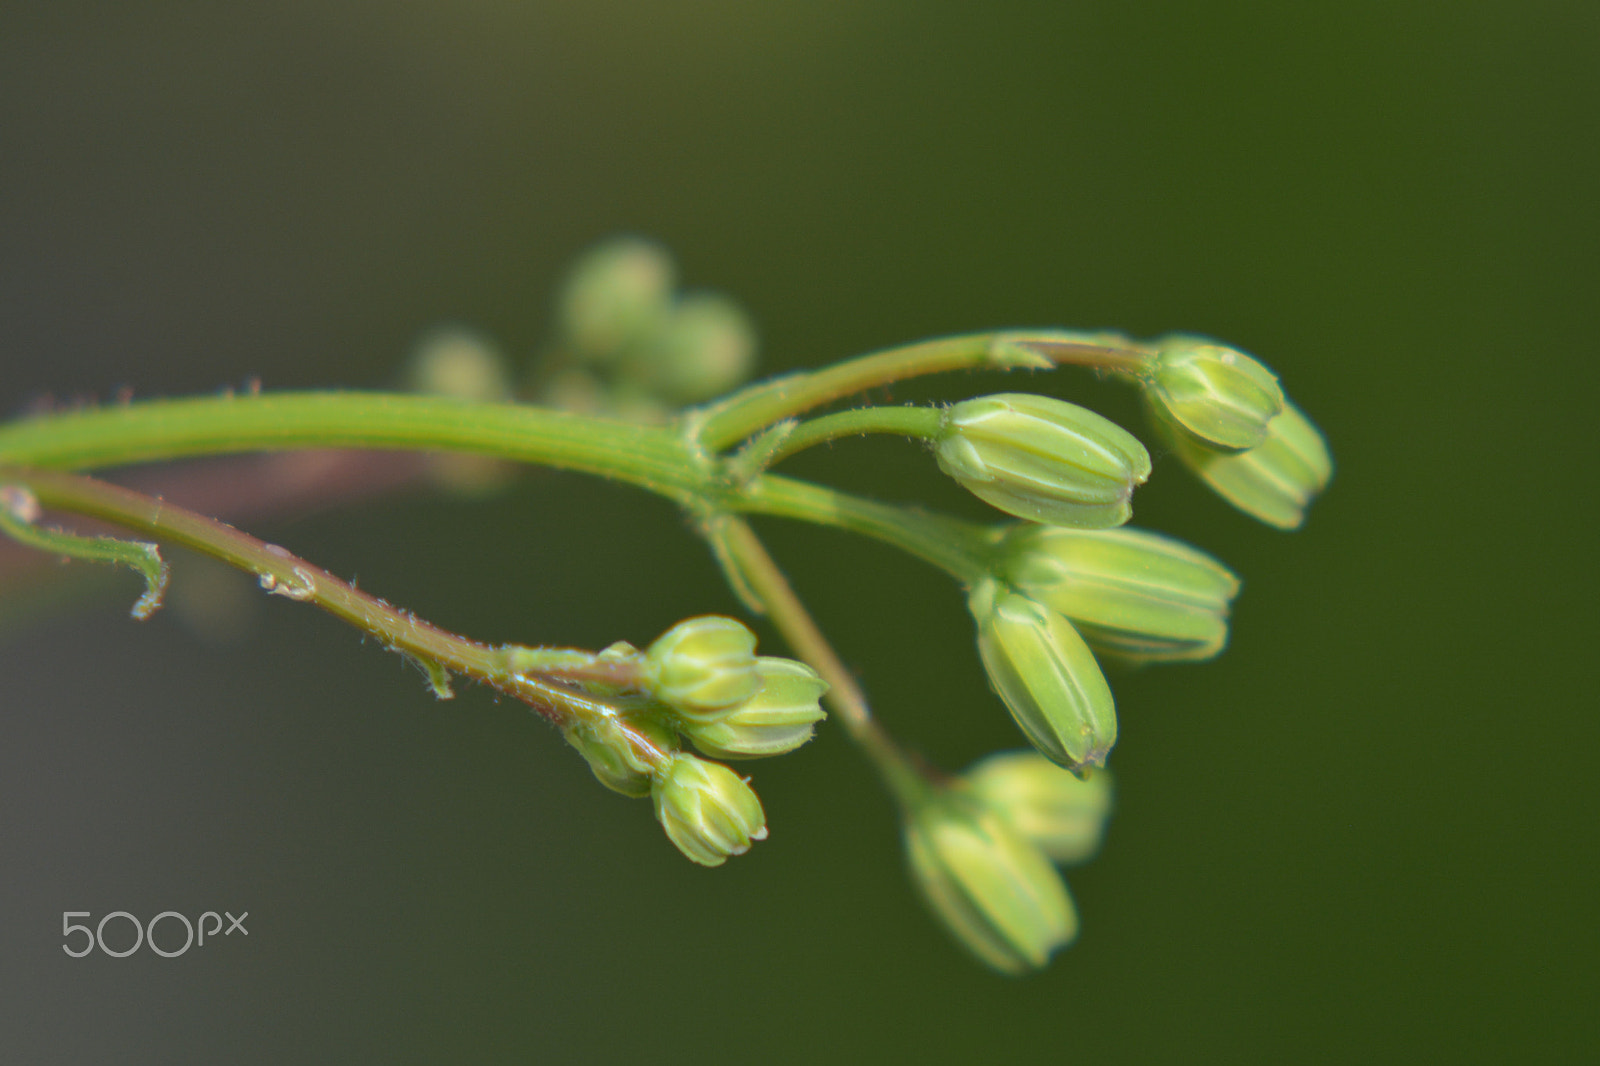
(1276, 480)
(706, 346)
(1221, 397)
(1047, 677)
(777, 719)
(458, 362)
(703, 666)
(617, 294)
(1063, 815)
(708, 811)
(1138, 596)
(1042, 459)
(996, 892)
(622, 751)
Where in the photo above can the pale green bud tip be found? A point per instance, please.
(1135, 595)
(1275, 481)
(703, 665)
(777, 719)
(617, 293)
(1047, 677)
(708, 811)
(1219, 396)
(706, 346)
(1063, 815)
(1042, 459)
(996, 892)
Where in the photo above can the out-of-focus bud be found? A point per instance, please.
(703, 666)
(996, 892)
(617, 293)
(1042, 459)
(1221, 397)
(458, 362)
(1276, 480)
(708, 811)
(1064, 816)
(707, 345)
(1047, 677)
(611, 746)
(1138, 596)
(777, 719)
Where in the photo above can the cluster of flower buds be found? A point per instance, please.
(631, 345)
(1226, 418)
(981, 850)
(700, 681)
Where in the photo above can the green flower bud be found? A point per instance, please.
(1138, 596)
(1047, 677)
(708, 811)
(1275, 481)
(618, 761)
(1042, 459)
(706, 346)
(1064, 816)
(616, 295)
(995, 891)
(777, 719)
(1220, 396)
(703, 666)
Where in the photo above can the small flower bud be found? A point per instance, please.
(1276, 480)
(708, 811)
(1063, 815)
(705, 347)
(1135, 595)
(1219, 396)
(611, 746)
(777, 719)
(703, 666)
(1047, 677)
(1042, 459)
(617, 294)
(995, 891)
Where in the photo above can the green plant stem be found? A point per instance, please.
(921, 423)
(959, 548)
(504, 667)
(654, 457)
(731, 420)
(844, 697)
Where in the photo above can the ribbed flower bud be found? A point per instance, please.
(777, 719)
(1063, 815)
(1138, 596)
(611, 746)
(1047, 677)
(703, 666)
(708, 811)
(618, 293)
(1219, 396)
(1042, 459)
(995, 891)
(1276, 480)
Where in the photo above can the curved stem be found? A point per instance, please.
(655, 457)
(921, 423)
(959, 548)
(729, 421)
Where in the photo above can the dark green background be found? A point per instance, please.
(1368, 832)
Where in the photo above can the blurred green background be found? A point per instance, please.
(1366, 832)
